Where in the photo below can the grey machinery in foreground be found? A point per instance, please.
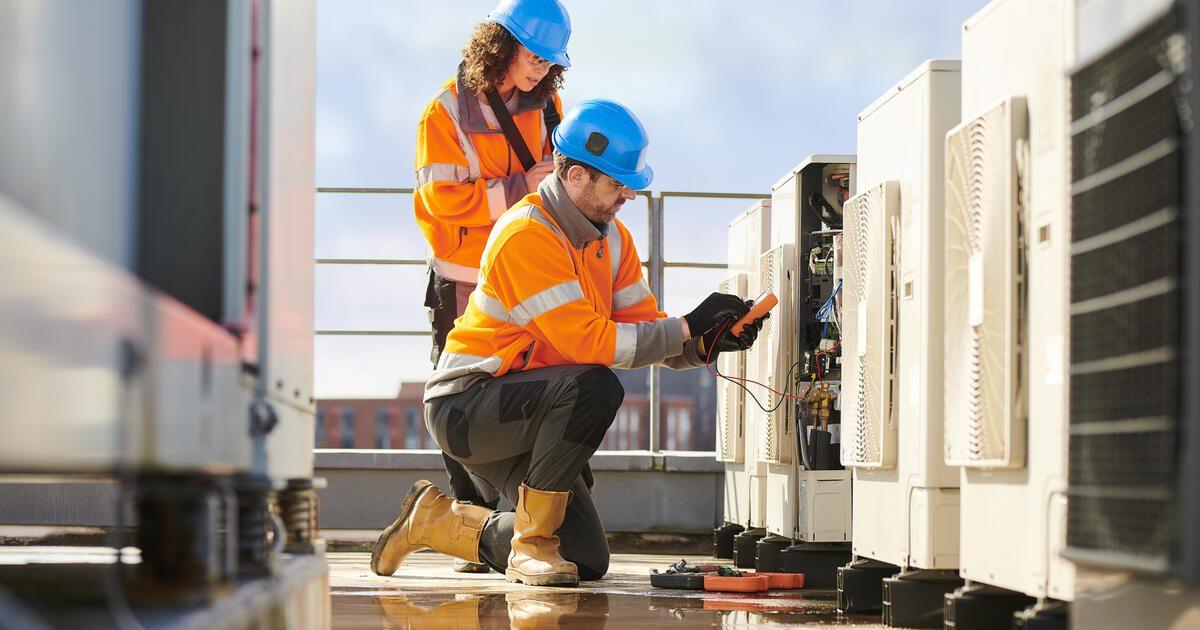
(156, 217)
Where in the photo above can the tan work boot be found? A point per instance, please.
(429, 520)
(534, 558)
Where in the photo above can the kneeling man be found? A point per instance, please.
(524, 391)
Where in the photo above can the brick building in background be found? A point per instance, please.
(688, 417)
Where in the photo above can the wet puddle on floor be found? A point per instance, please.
(353, 608)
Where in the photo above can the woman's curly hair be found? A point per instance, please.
(488, 54)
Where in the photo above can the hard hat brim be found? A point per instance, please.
(558, 57)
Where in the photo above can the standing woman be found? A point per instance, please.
(483, 143)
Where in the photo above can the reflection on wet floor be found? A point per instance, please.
(441, 599)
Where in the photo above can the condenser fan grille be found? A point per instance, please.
(868, 317)
(984, 289)
(1125, 302)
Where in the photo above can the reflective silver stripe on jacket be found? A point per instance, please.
(630, 295)
(456, 361)
(627, 335)
(490, 306)
(450, 102)
(442, 173)
(615, 241)
(546, 300)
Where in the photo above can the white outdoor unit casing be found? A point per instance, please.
(289, 170)
(816, 510)
(746, 480)
(812, 506)
(731, 403)
(906, 514)
(1014, 99)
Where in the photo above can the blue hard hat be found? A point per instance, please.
(542, 26)
(604, 134)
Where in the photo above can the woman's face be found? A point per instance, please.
(527, 70)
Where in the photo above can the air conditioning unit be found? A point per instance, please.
(746, 475)
(869, 328)
(985, 287)
(777, 273)
(731, 411)
(1006, 251)
(1132, 491)
(905, 496)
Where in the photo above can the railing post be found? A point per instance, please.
(655, 207)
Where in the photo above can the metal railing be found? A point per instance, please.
(655, 263)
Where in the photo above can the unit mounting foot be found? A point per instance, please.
(723, 540)
(819, 562)
(984, 607)
(917, 598)
(860, 585)
(745, 547)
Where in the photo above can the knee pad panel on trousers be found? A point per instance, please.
(598, 397)
(456, 433)
(514, 397)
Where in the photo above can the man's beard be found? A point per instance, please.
(597, 210)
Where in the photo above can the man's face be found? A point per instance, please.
(600, 200)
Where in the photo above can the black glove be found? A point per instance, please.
(714, 310)
(727, 342)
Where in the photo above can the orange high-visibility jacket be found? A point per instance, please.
(555, 290)
(468, 175)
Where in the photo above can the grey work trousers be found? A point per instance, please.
(539, 428)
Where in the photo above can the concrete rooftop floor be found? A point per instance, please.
(425, 593)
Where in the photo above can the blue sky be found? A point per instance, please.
(733, 95)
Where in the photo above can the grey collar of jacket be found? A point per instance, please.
(575, 225)
(471, 112)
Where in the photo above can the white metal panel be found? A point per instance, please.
(731, 403)
(985, 410)
(808, 505)
(287, 295)
(777, 273)
(869, 328)
(749, 238)
(69, 104)
(901, 138)
(1013, 521)
(98, 372)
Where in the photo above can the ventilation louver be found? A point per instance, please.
(869, 328)
(777, 272)
(731, 413)
(985, 411)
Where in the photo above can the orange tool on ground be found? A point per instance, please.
(762, 306)
(749, 583)
(784, 581)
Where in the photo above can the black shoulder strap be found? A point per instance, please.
(510, 130)
(550, 114)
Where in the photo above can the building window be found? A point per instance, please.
(383, 428)
(347, 428)
(319, 438)
(412, 427)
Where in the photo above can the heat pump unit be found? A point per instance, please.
(1132, 498)
(869, 327)
(985, 288)
(905, 496)
(777, 274)
(731, 411)
(1007, 247)
(746, 476)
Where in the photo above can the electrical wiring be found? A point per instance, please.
(710, 365)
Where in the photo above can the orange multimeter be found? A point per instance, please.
(762, 306)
